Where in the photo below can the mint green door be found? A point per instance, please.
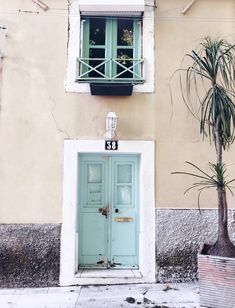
(108, 211)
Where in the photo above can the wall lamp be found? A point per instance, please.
(111, 125)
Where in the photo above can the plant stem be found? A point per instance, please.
(218, 140)
(222, 200)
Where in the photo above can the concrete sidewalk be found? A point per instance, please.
(109, 296)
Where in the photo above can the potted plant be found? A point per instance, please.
(209, 86)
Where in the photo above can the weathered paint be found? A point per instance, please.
(29, 255)
(37, 114)
(69, 235)
(179, 235)
(108, 211)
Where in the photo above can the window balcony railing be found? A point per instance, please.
(103, 70)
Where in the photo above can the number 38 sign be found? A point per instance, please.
(111, 145)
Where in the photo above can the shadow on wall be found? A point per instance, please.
(179, 234)
(180, 266)
(29, 255)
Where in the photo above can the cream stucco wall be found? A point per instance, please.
(178, 138)
(37, 114)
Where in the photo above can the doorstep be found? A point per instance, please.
(108, 273)
(105, 276)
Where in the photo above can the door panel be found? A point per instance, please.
(108, 238)
(92, 224)
(124, 248)
(94, 184)
(93, 239)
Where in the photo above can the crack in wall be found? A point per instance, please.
(52, 106)
(61, 131)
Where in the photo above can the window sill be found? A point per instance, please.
(110, 81)
(84, 87)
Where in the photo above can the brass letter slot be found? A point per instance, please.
(123, 219)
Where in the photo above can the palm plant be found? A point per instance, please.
(208, 90)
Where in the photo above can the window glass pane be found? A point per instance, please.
(124, 173)
(125, 32)
(97, 31)
(124, 195)
(124, 56)
(97, 53)
(94, 173)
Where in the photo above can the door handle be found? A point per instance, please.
(104, 211)
(116, 210)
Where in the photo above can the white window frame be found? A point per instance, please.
(69, 274)
(114, 5)
(74, 48)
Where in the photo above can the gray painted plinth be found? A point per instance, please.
(179, 234)
(29, 255)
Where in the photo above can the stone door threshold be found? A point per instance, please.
(106, 276)
(108, 273)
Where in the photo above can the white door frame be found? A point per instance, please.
(69, 237)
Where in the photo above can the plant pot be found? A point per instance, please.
(216, 280)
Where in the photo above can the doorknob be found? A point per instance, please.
(104, 211)
(116, 210)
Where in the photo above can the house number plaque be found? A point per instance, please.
(111, 145)
(123, 219)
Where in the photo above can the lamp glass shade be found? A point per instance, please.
(111, 124)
